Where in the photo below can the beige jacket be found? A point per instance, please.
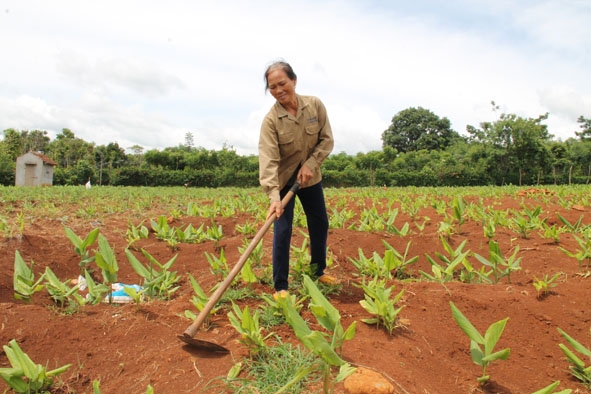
(287, 142)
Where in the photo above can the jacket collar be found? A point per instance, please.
(282, 112)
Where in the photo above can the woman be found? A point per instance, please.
(295, 139)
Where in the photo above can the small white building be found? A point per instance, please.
(34, 169)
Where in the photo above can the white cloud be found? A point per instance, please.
(148, 72)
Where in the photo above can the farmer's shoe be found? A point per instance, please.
(328, 280)
(280, 294)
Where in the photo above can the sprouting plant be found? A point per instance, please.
(218, 265)
(500, 266)
(523, 225)
(534, 215)
(391, 228)
(489, 228)
(371, 221)
(273, 312)
(60, 291)
(214, 232)
(247, 325)
(300, 257)
(329, 318)
(136, 295)
(371, 266)
(25, 376)
(135, 233)
(107, 261)
(482, 347)
(445, 272)
(246, 229)
(256, 255)
(552, 232)
(572, 227)
(339, 219)
(24, 282)
(378, 303)
(164, 232)
(199, 299)
(176, 213)
(578, 368)
(159, 281)
(421, 226)
(584, 253)
(20, 218)
(82, 246)
(544, 284)
(189, 235)
(396, 262)
(446, 227)
(459, 212)
(96, 291)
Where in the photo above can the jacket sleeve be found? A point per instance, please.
(269, 159)
(325, 140)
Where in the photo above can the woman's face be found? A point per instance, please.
(281, 87)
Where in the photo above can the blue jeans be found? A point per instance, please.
(312, 200)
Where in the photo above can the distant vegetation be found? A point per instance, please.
(418, 149)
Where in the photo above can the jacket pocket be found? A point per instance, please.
(285, 138)
(313, 129)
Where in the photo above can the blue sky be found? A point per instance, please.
(147, 72)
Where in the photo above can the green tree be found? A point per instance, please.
(13, 143)
(67, 149)
(370, 163)
(36, 140)
(7, 168)
(414, 129)
(189, 140)
(515, 146)
(136, 158)
(585, 125)
(561, 163)
(580, 157)
(156, 158)
(107, 158)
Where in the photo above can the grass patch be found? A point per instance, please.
(275, 370)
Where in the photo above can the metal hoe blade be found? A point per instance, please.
(201, 344)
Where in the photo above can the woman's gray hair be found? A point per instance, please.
(282, 65)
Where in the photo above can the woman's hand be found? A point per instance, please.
(304, 175)
(275, 209)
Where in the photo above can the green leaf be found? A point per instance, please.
(350, 332)
(106, 260)
(328, 316)
(465, 325)
(500, 355)
(572, 357)
(492, 335)
(476, 354)
(234, 371)
(345, 371)
(576, 345)
(550, 389)
(21, 360)
(57, 371)
(13, 377)
(137, 266)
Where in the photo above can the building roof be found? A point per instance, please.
(45, 159)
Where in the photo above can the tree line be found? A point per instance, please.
(419, 148)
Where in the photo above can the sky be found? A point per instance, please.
(148, 72)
